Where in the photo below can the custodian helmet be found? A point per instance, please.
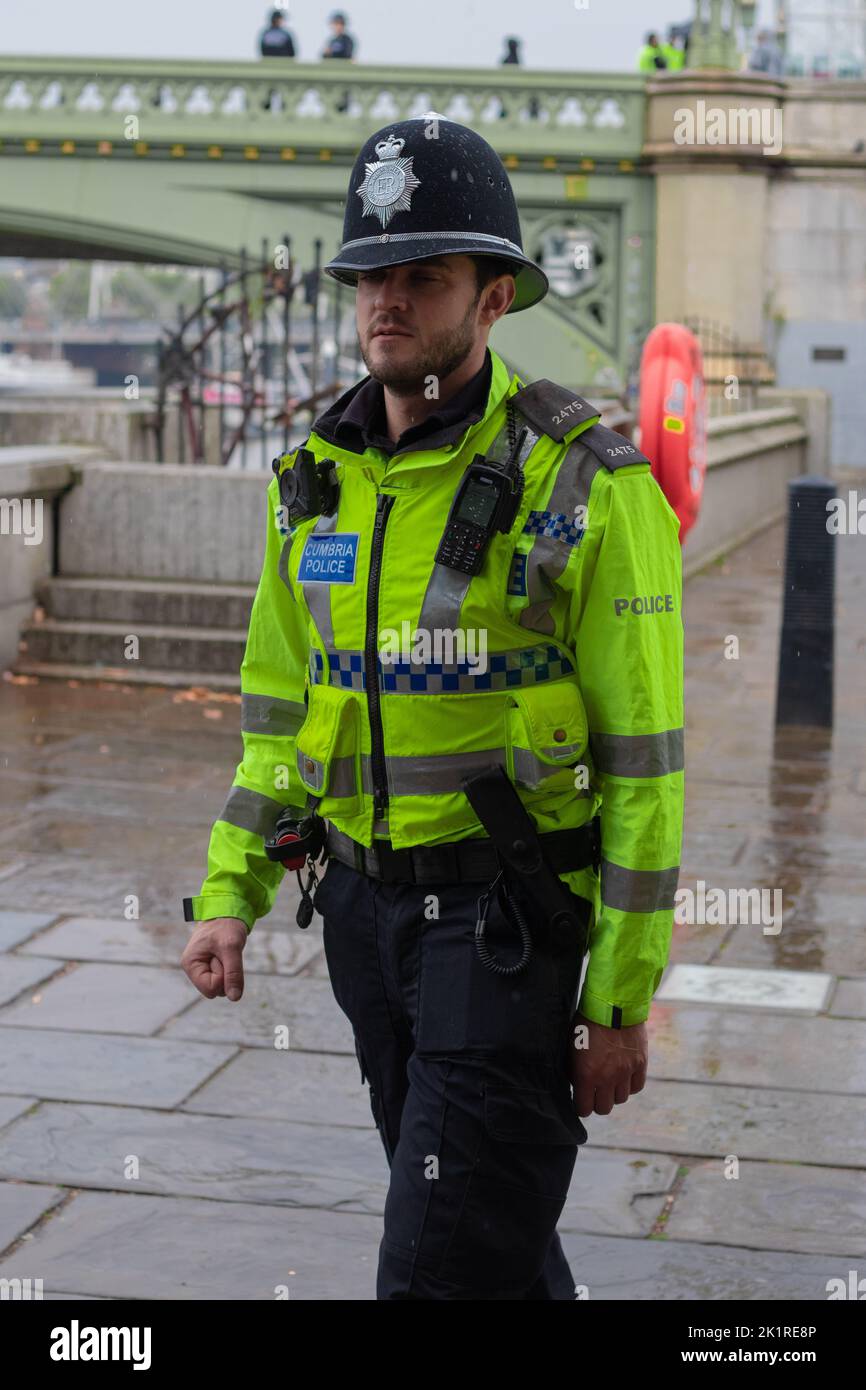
(431, 187)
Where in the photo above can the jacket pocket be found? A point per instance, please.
(547, 732)
(328, 748)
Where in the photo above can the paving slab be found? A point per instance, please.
(789, 991)
(773, 1206)
(95, 998)
(21, 1205)
(752, 1049)
(663, 1270)
(104, 1066)
(849, 1000)
(13, 1106)
(311, 1087)
(815, 943)
(223, 1159)
(18, 973)
(315, 1021)
(122, 1245)
(16, 927)
(277, 951)
(614, 1192)
(756, 1122)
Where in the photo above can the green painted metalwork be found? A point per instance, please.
(185, 162)
(715, 38)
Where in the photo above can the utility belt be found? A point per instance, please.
(458, 861)
(514, 856)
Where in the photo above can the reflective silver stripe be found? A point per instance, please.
(638, 890)
(434, 775)
(530, 770)
(638, 755)
(549, 556)
(425, 774)
(251, 811)
(318, 595)
(341, 782)
(446, 588)
(265, 714)
(283, 565)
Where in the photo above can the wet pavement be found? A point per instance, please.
(157, 1145)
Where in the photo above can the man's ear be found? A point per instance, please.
(500, 298)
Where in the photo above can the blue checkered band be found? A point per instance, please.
(517, 576)
(556, 525)
(524, 666)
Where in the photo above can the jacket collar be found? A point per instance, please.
(342, 423)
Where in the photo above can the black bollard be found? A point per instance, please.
(805, 690)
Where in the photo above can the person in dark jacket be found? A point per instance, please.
(340, 44)
(512, 51)
(276, 41)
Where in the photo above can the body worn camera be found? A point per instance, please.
(308, 488)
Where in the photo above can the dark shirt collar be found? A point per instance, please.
(357, 420)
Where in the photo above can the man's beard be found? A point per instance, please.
(441, 357)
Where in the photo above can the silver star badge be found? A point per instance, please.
(389, 183)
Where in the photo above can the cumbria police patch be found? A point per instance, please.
(329, 558)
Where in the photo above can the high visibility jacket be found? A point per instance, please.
(569, 674)
(646, 58)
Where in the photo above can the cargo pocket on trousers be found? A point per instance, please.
(516, 1192)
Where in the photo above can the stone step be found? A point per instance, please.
(160, 648)
(157, 602)
(132, 674)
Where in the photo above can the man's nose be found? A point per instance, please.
(391, 290)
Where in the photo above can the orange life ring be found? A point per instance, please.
(673, 429)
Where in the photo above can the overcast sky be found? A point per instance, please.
(572, 34)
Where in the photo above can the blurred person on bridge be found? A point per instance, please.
(652, 56)
(674, 48)
(340, 44)
(767, 56)
(276, 41)
(512, 56)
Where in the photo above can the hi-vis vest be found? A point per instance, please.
(375, 679)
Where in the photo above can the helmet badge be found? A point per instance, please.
(389, 183)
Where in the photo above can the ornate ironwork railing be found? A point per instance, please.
(304, 106)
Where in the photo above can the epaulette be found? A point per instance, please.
(555, 411)
(552, 410)
(610, 448)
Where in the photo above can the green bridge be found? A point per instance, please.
(185, 162)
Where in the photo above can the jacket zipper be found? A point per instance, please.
(371, 658)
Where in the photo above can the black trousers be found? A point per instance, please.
(469, 1086)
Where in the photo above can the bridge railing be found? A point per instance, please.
(303, 106)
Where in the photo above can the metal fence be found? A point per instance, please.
(263, 351)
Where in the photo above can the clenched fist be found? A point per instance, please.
(610, 1069)
(213, 958)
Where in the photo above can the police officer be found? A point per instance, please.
(462, 695)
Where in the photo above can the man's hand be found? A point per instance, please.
(213, 957)
(610, 1068)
